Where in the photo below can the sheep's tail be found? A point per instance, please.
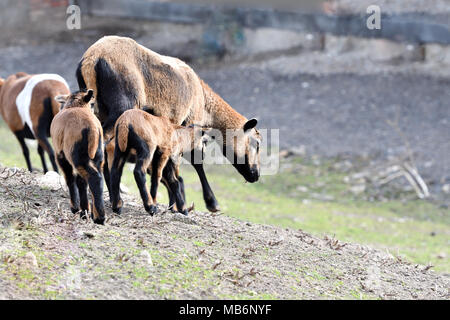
(122, 132)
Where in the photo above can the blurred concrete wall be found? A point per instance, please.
(31, 21)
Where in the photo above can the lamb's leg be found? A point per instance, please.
(174, 185)
(95, 181)
(82, 190)
(67, 169)
(140, 171)
(157, 172)
(92, 174)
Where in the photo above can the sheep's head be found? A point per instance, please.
(241, 147)
(79, 99)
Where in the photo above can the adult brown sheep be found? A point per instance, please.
(28, 106)
(125, 74)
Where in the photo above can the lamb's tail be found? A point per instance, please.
(122, 132)
(94, 142)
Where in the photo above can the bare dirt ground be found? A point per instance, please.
(47, 252)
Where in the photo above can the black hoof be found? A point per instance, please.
(83, 214)
(74, 210)
(152, 209)
(212, 206)
(99, 221)
(117, 210)
(185, 212)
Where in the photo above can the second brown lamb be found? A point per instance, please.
(154, 140)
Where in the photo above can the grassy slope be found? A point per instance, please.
(416, 229)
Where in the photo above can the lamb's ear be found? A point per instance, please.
(250, 124)
(88, 96)
(61, 98)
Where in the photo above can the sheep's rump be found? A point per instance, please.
(125, 75)
(23, 100)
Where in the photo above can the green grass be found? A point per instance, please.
(416, 229)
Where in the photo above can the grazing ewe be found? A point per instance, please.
(78, 140)
(28, 106)
(124, 74)
(153, 140)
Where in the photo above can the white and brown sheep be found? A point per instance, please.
(28, 106)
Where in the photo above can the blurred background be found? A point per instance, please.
(364, 115)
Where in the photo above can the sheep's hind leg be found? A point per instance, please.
(42, 155)
(25, 151)
(45, 146)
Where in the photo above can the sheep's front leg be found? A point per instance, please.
(175, 187)
(116, 174)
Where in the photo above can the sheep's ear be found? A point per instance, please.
(88, 96)
(61, 98)
(250, 124)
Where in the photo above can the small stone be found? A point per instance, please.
(88, 235)
(53, 181)
(446, 188)
(30, 259)
(147, 257)
(298, 151)
(442, 255)
(358, 189)
(124, 189)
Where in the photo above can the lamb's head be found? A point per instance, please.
(78, 99)
(191, 138)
